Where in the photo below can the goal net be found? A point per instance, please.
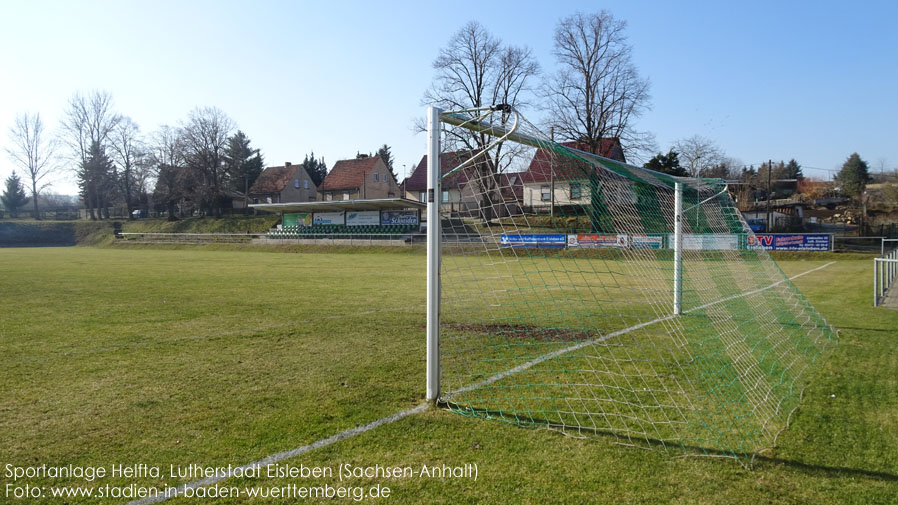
(568, 296)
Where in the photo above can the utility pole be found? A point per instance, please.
(769, 170)
(552, 180)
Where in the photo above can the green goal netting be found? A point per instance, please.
(561, 304)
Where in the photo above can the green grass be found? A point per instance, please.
(127, 355)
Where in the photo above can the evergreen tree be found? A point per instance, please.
(387, 157)
(95, 180)
(243, 163)
(317, 169)
(854, 176)
(793, 170)
(666, 163)
(14, 195)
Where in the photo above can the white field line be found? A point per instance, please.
(700, 307)
(281, 456)
(343, 435)
(580, 345)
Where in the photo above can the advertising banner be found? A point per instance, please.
(363, 218)
(592, 240)
(796, 242)
(329, 217)
(398, 217)
(707, 242)
(549, 241)
(648, 241)
(289, 220)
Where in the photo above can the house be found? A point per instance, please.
(550, 180)
(363, 178)
(283, 184)
(453, 195)
(462, 192)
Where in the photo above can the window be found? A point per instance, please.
(328, 196)
(422, 197)
(445, 196)
(576, 192)
(346, 195)
(375, 177)
(545, 194)
(305, 184)
(296, 183)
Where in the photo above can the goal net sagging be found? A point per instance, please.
(560, 303)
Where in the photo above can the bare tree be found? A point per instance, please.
(475, 69)
(167, 160)
(87, 120)
(597, 92)
(205, 138)
(33, 152)
(699, 155)
(127, 150)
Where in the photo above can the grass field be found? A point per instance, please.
(129, 356)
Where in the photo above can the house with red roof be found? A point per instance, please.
(553, 180)
(416, 183)
(363, 178)
(283, 184)
(462, 192)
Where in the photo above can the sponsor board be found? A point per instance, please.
(647, 241)
(594, 240)
(794, 242)
(550, 241)
(297, 219)
(398, 217)
(288, 220)
(709, 242)
(329, 218)
(363, 218)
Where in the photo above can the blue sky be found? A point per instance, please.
(814, 81)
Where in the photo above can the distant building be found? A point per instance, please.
(283, 184)
(462, 193)
(550, 180)
(363, 178)
(453, 187)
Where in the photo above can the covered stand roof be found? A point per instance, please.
(338, 205)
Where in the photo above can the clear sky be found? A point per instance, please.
(814, 81)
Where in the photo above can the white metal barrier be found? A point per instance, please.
(893, 245)
(885, 271)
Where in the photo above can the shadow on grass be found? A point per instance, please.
(749, 461)
(890, 331)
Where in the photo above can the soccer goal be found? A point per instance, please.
(570, 290)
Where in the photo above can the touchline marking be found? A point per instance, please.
(281, 456)
(343, 435)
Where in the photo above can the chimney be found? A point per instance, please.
(287, 164)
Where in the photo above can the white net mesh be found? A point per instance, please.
(557, 299)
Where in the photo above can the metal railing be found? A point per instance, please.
(189, 238)
(884, 246)
(885, 271)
